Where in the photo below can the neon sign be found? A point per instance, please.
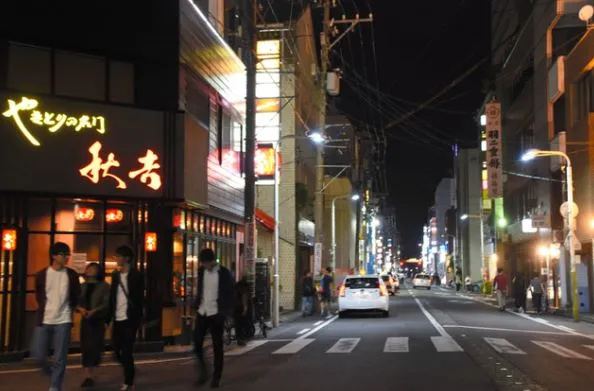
(52, 121)
(98, 168)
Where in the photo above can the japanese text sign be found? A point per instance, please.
(68, 146)
(494, 151)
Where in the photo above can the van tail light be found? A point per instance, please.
(341, 291)
(383, 290)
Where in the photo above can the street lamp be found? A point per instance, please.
(534, 153)
(352, 197)
(316, 137)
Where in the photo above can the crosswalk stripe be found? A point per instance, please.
(396, 345)
(501, 345)
(560, 350)
(446, 344)
(244, 349)
(303, 331)
(294, 346)
(344, 345)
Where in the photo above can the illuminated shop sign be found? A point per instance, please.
(268, 91)
(264, 163)
(26, 114)
(63, 146)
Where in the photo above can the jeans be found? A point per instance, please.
(124, 335)
(214, 324)
(59, 335)
(307, 305)
(537, 302)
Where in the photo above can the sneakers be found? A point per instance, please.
(126, 387)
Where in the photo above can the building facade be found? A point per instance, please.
(117, 143)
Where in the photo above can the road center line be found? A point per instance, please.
(434, 322)
(316, 329)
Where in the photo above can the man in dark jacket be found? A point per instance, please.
(126, 310)
(57, 290)
(215, 301)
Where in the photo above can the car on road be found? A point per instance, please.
(392, 284)
(422, 280)
(363, 294)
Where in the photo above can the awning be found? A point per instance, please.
(264, 219)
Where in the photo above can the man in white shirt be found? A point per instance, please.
(126, 310)
(57, 289)
(215, 301)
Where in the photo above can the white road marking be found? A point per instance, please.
(537, 320)
(244, 349)
(591, 347)
(319, 322)
(434, 322)
(560, 350)
(295, 346)
(344, 345)
(107, 364)
(445, 344)
(503, 346)
(303, 331)
(396, 345)
(455, 326)
(565, 328)
(319, 327)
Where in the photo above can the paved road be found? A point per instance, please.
(433, 340)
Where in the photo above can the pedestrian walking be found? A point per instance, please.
(215, 297)
(500, 287)
(536, 289)
(458, 282)
(307, 294)
(519, 290)
(93, 305)
(468, 284)
(326, 291)
(57, 290)
(126, 311)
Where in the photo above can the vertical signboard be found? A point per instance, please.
(250, 253)
(494, 157)
(317, 257)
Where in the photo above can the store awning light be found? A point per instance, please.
(9, 239)
(150, 242)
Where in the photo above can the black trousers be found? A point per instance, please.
(124, 335)
(537, 302)
(91, 341)
(215, 325)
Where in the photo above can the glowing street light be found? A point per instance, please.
(534, 153)
(316, 137)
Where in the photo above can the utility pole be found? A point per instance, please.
(319, 195)
(326, 45)
(249, 55)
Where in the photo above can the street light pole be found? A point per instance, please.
(276, 298)
(529, 155)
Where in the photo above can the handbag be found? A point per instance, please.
(151, 323)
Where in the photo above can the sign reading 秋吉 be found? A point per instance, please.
(494, 152)
(69, 146)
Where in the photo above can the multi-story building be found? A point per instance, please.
(467, 169)
(530, 52)
(287, 111)
(445, 199)
(118, 134)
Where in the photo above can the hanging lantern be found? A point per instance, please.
(9, 239)
(84, 214)
(150, 242)
(114, 215)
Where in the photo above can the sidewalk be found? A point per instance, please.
(557, 312)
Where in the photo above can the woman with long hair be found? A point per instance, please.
(93, 306)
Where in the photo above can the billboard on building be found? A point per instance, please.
(494, 151)
(66, 146)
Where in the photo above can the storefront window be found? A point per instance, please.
(39, 215)
(79, 216)
(191, 279)
(118, 218)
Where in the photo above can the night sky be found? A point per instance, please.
(421, 47)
